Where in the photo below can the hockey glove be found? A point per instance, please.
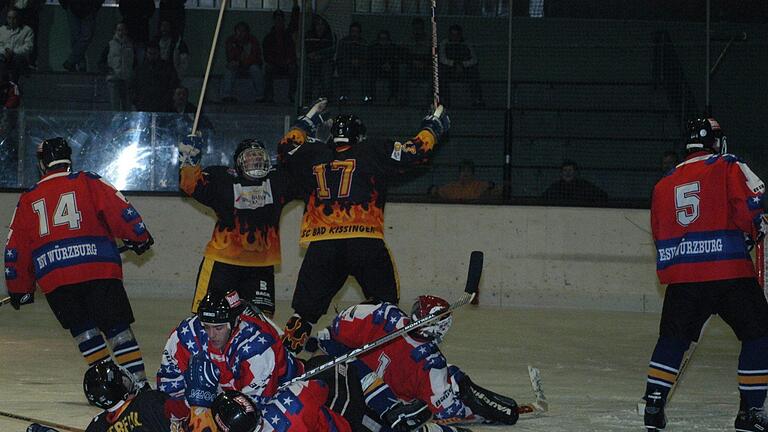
(438, 122)
(18, 300)
(310, 121)
(139, 247)
(36, 427)
(190, 150)
(407, 416)
(493, 407)
(202, 381)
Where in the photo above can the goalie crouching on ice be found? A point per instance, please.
(412, 366)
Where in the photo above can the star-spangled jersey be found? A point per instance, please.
(699, 215)
(300, 407)
(411, 368)
(143, 413)
(248, 213)
(345, 191)
(254, 360)
(63, 232)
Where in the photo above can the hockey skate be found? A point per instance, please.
(655, 419)
(753, 419)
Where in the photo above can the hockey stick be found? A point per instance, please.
(435, 63)
(687, 358)
(208, 68)
(5, 300)
(42, 422)
(473, 280)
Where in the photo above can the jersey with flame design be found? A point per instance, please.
(248, 213)
(345, 190)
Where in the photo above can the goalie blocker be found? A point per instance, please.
(491, 406)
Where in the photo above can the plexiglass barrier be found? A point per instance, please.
(135, 151)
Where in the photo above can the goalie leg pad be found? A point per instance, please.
(487, 404)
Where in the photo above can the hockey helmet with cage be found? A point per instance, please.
(233, 411)
(106, 384)
(53, 152)
(426, 305)
(217, 308)
(252, 159)
(347, 130)
(705, 133)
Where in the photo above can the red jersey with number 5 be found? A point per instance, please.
(699, 215)
(63, 232)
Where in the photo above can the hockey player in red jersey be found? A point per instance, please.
(345, 187)
(245, 244)
(413, 366)
(62, 239)
(700, 214)
(221, 348)
(300, 407)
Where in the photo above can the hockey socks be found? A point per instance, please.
(91, 344)
(664, 365)
(126, 351)
(753, 372)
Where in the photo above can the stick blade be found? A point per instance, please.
(475, 272)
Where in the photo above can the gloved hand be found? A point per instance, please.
(18, 300)
(202, 381)
(190, 150)
(407, 416)
(310, 121)
(139, 247)
(35, 427)
(438, 122)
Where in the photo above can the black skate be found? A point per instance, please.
(655, 419)
(753, 419)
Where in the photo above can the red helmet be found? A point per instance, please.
(426, 305)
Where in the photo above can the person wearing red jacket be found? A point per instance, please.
(62, 239)
(701, 212)
(243, 59)
(280, 53)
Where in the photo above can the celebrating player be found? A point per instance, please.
(413, 366)
(700, 214)
(62, 239)
(221, 349)
(245, 245)
(345, 185)
(126, 408)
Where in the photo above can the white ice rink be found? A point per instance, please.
(593, 365)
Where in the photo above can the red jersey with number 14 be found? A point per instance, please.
(63, 232)
(699, 215)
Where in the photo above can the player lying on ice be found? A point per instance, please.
(412, 366)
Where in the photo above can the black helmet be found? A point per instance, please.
(347, 130)
(234, 412)
(216, 308)
(705, 133)
(52, 152)
(105, 384)
(252, 159)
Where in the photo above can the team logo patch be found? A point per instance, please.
(233, 299)
(253, 197)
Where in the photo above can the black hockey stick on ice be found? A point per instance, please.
(41, 422)
(473, 280)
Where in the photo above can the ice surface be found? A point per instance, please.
(593, 365)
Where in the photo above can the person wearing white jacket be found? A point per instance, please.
(121, 62)
(16, 43)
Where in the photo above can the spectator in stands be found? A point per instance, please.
(154, 82)
(243, 59)
(384, 61)
(81, 15)
(16, 43)
(280, 52)
(136, 15)
(29, 14)
(120, 60)
(180, 103)
(459, 64)
(319, 44)
(467, 187)
(173, 12)
(173, 49)
(419, 52)
(669, 160)
(572, 190)
(351, 62)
